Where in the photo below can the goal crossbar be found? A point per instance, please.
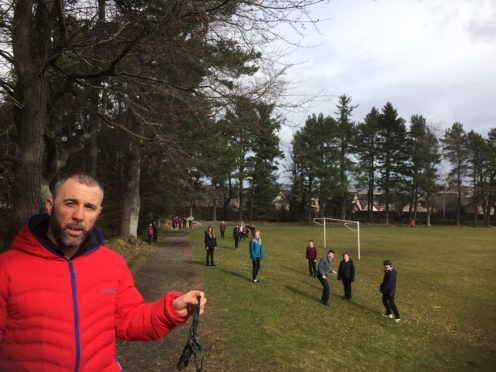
(346, 223)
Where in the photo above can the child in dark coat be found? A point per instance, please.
(346, 273)
(311, 255)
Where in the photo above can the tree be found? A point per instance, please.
(367, 153)
(263, 178)
(490, 185)
(391, 157)
(345, 139)
(315, 153)
(454, 150)
(476, 149)
(423, 159)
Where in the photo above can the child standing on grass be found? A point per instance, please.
(388, 290)
(311, 256)
(256, 255)
(346, 273)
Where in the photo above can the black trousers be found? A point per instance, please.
(210, 256)
(347, 288)
(388, 301)
(236, 243)
(312, 268)
(222, 234)
(326, 291)
(255, 268)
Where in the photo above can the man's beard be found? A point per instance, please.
(62, 237)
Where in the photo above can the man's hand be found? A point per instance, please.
(183, 305)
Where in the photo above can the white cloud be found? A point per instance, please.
(434, 58)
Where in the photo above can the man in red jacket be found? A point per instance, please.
(65, 298)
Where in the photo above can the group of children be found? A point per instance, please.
(346, 274)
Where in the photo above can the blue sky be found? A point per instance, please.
(431, 57)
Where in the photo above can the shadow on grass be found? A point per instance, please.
(226, 247)
(195, 262)
(353, 303)
(236, 274)
(301, 272)
(301, 293)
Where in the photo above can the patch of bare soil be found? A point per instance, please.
(170, 266)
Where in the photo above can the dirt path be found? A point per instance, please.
(171, 266)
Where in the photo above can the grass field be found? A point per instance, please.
(445, 294)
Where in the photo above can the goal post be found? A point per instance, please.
(350, 225)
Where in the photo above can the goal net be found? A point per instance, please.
(341, 228)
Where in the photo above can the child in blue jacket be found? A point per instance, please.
(256, 255)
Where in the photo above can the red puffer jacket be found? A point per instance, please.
(64, 315)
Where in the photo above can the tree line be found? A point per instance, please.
(331, 155)
(154, 98)
(172, 103)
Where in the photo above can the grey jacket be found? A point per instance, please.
(324, 266)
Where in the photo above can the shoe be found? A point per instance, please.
(255, 281)
(325, 303)
(390, 316)
(213, 265)
(397, 320)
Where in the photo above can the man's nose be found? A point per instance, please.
(79, 213)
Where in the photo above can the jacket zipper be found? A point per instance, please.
(76, 314)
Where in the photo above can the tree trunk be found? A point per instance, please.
(309, 205)
(214, 207)
(252, 198)
(30, 45)
(131, 203)
(428, 209)
(370, 199)
(241, 199)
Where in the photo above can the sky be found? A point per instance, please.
(436, 58)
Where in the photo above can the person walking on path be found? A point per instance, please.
(65, 297)
(311, 255)
(210, 245)
(222, 228)
(149, 233)
(236, 236)
(346, 273)
(155, 231)
(256, 255)
(324, 269)
(388, 290)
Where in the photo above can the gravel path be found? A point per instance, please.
(171, 266)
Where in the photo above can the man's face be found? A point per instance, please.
(330, 255)
(73, 213)
(346, 258)
(310, 244)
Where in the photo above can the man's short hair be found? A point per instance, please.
(387, 263)
(80, 177)
(345, 254)
(330, 251)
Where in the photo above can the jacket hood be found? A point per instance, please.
(32, 239)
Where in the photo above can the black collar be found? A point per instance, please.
(38, 225)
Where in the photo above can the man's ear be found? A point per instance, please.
(49, 205)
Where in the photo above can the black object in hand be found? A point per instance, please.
(192, 347)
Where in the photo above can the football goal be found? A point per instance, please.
(327, 222)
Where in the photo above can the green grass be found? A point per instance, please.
(445, 294)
